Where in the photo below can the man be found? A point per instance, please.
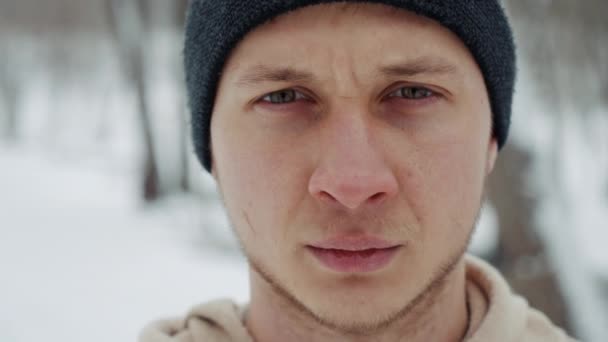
(350, 142)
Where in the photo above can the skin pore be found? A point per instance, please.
(344, 119)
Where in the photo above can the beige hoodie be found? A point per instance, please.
(497, 315)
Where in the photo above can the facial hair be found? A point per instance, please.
(423, 301)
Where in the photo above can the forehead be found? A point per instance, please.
(322, 36)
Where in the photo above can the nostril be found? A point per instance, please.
(327, 196)
(378, 197)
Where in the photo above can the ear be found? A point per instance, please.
(492, 155)
(213, 172)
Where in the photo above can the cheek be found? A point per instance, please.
(455, 169)
(444, 188)
(263, 180)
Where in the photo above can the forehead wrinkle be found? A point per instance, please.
(344, 73)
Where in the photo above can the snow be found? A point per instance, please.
(83, 260)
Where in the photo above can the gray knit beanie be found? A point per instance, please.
(214, 28)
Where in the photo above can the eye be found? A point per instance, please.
(283, 96)
(412, 93)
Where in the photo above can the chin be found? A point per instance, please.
(357, 305)
(354, 318)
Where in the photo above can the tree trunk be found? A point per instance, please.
(9, 91)
(179, 14)
(521, 256)
(125, 16)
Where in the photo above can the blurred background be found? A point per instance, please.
(107, 221)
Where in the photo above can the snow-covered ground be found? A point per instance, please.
(82, 260)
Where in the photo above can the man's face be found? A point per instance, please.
(351, 145)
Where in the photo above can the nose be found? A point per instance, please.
(352, 172)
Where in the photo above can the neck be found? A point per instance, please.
(440, 315)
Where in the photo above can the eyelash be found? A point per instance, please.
(400, 92)
(297, 95)
(414, 90)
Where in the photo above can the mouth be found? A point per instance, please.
(354, 254)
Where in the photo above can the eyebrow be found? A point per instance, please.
(262, 73)
(419, 66)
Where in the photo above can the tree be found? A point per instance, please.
(521, 254)
(9, 91)
(128, 28)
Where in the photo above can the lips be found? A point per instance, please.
(354, 254)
